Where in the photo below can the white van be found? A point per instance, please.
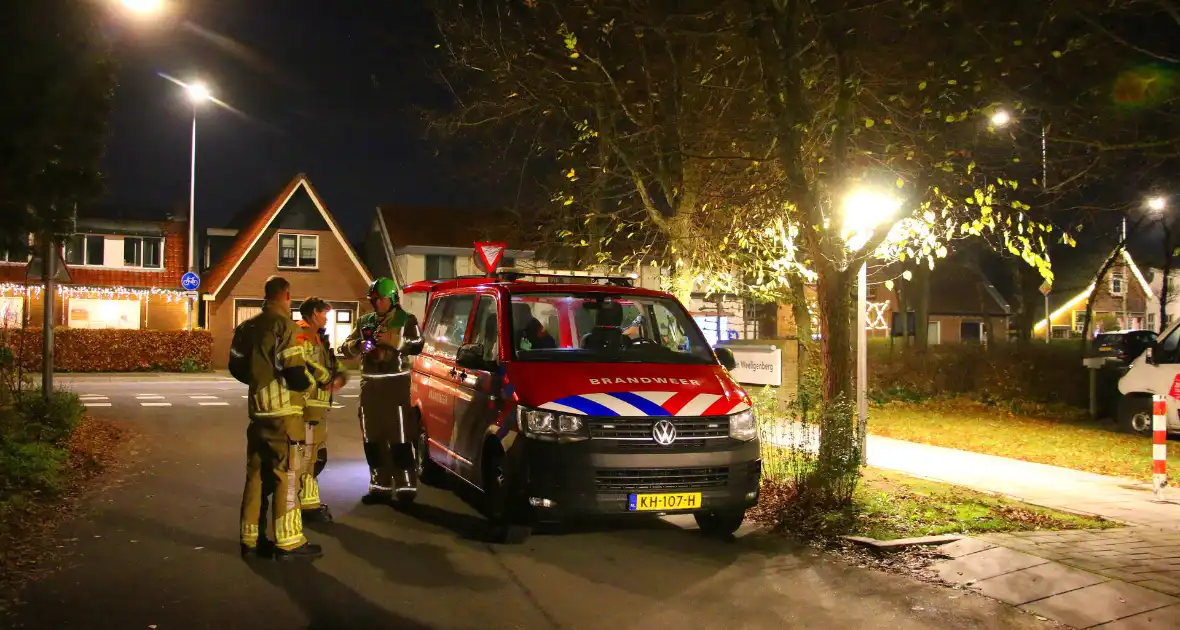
(1152, 372)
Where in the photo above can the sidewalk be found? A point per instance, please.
(1124, 578)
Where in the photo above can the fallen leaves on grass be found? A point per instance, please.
(890, 505)
(27, 546)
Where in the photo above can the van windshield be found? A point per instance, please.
(605, 328)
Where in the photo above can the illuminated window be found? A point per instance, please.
(90, 313)
(11, 311)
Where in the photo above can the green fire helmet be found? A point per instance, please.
(383, 287)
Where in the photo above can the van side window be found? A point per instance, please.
(1169, 347)
(487, 328)
(448, 325)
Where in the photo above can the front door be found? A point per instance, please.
(476, 403)
(444, 333)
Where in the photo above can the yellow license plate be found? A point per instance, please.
(662, 502)
(1104, 348)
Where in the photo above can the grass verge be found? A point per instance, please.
(1045, 435)
(888, 505)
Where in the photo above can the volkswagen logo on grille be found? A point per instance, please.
(664, 432)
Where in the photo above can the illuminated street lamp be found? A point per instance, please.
(143, 7)
(1157, 204)
(864, 211)
(1001, 118)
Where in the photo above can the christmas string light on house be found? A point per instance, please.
(100, 293)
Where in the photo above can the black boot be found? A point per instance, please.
(378, 496)
(306, 551)
(317, 515)
(263, 550)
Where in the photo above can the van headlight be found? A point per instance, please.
(742, 426)
(546, 425)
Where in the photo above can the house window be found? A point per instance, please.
(16, 255)
(1116, 282)
(1079, 320)
(507, 263)
(11, 310)
(440, 267)
(1151, 321)
(145, 252)
(85, 249)
(298, 251)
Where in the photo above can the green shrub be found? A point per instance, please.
(34, 445)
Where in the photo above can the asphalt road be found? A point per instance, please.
(160, 551)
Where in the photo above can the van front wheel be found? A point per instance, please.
(509, 522)
(720, 524)
(1135, 414)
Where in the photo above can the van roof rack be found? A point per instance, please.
(515, 275)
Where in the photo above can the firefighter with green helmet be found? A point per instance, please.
(385, 339)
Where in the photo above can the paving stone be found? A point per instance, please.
(1171, 588)
(1035, 583)
(986, 564)
(1168, 577)
(1159, 618)
(1099, 603)
(964, 547)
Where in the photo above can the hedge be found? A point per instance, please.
(113, 350)
(1044, 373)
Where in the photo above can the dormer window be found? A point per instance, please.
(1117, 282)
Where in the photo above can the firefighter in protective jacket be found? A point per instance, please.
(326, 378)
(386, 338)
(266, 356)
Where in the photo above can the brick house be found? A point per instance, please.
(1124, 300)
(294, 236)
(124, 270)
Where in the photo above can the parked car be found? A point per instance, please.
(1123, 346)
(1151, 373)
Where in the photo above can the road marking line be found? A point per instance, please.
(155, 404)
(245, 396)
(337, 406)
(96, 404)
(203, 397)
(148, 397)
(92, 397)
(349, 395)
(214, 404)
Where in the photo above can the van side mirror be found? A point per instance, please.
(1149, 354)
(470, 356)
(726, 358)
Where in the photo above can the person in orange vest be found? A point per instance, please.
(326, 378)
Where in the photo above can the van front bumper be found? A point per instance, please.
(580, 479)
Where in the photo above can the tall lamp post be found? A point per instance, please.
(864, 210)
(197, 93)
(1002, 118)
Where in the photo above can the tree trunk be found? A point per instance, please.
(835, 315)
(1022, 307)
(1169, 252)
(903, 314)
(922, 308)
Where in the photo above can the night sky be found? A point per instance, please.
(331, 89)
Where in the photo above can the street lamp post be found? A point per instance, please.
(864, 211)
(197, 93)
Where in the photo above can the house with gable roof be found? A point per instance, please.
(294, 236)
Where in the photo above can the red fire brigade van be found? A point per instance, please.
(563, 396)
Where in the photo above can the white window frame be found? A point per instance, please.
(1119, 277)
(298, 248)
(141, 239)
(1079, 320)
(85, 250)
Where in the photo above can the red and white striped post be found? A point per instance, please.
(1159, 446)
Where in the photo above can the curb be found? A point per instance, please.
(903, 543)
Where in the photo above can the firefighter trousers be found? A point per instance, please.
(273, 462)
(389, 429)
(315, 455)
